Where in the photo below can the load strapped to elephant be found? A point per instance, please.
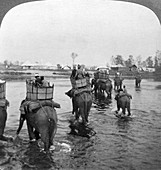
(38, 109)
(3, 109)
(102, 83)
(38, 96)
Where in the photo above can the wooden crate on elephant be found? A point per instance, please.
(79, 83)
(103, 75)
(2, 89)
(38, 93)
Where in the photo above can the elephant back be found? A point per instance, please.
(124, 99)
(46, 113)
(117, 80)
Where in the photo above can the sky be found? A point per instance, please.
(50, 31)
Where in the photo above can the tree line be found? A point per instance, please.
(150, 61)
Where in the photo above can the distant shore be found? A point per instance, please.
(12, 74)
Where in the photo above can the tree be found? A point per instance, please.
(138, 61)
(156, 64)
(6, 63)
(74, 55)
(130, 61)
(158, 57)
(112, 60)
(149, 62)
(59, 66)
(119, 60)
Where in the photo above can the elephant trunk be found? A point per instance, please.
(49, 135)
(85, 112)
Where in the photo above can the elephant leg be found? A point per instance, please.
(45, 135)
(123, 110)
(128, 109)
(88, 110)
(82, 113)
(37, 135)
(3, 118)
(117, 87)
(30, 131)
(53, 130)
(118, 106)
(73, 105)
(136, 84)
(77, 114)
(95, 92)
(120, 86)
(45, 138)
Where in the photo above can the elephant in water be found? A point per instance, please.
(102, 87)
(44, 121)
(82, 105)
(105, 87)
(118, 83)
(123, 102)
(138, 81)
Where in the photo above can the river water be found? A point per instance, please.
(133, 144)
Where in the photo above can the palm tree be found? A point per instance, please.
(74, 55)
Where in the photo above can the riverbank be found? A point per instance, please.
(12, 74)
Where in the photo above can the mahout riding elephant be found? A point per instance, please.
(118, 83)
(138, 81)
(82, 105)
(123, 102)
(41, 123)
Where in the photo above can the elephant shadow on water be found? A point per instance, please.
(79, 129)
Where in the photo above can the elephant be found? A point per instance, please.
(105, 87)
(44, 121)
(82, 104)
(123, 102)
(118, 83)
(100, 87)
(137, 81)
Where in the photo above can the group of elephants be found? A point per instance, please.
(44, 120)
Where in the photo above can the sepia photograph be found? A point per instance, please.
(80, 84)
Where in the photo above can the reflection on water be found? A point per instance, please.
(118, 144)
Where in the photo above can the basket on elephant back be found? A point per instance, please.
(2, 89)
(38, 93)
(103, 75)
(79, 83)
